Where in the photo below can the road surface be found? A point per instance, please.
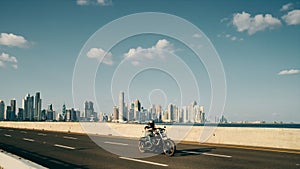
(65, 150)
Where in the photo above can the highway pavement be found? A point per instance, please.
(67, 150)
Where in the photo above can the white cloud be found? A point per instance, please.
(197, 35)
(292, 18)
(230, 37)
(10, 39)
(15, 66)
(286, 7)
(289, 72)
(94, 2)
(139, 54)
(104, 2)
(6, 59)
(100, 54)
(244, 22)
(82, 2)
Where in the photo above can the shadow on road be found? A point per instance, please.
(194, 151)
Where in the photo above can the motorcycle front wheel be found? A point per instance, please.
(169, 148)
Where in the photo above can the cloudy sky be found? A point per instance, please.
(257, 42)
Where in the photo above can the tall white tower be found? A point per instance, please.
(121, 106)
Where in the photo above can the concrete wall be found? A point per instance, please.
(245, 136)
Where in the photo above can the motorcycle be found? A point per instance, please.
(157, 142)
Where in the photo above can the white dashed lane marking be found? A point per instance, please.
(63, 146)
(143, 161)
(67, 137)
(7, 135)
(28, 139)
(115, 143)
(42, 134)
(208, 154)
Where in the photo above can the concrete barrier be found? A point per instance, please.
(284, 138)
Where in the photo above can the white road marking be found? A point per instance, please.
(7, 135)
(208, 154)
(143, 161)
(10, 130)
(42, 134)
(217, 155)
(28, 139)
(115, 143)
(23, 132)
(63, 146)
(72, 138)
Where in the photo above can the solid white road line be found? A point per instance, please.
(42, 134)
(63, 146)
(115, 143)
(23, 132)
(28, 139)
(7, 135)
(208, 154)
(72, 138)
(143, 161)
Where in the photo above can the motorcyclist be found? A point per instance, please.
(150, 128)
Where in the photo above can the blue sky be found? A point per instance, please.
(257, 42)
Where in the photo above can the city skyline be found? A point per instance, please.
(257, 43)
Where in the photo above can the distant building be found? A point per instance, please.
(88, 110)
(28, 102)
(122, 115)
(50, 113)
(137, 110)
(38, 107)
(2, 109)
(115, 114)
(20, 114)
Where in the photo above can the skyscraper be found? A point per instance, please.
(38, 107)
(28, 102)
(2, 107)
(121, 107)
(115, 114)
(137, 109)
(88, 109)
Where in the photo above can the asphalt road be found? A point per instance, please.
(63, 150)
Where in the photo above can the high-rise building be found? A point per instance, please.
(38, 107)
(13, 104)
(121, 107)
(2, 107)
(137, 109)
(88, 109)
(28, 103)
(115, 114)
(11, 111)
(50, 113)
(64, 112)
(20, 114)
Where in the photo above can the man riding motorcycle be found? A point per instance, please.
(150, 128)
